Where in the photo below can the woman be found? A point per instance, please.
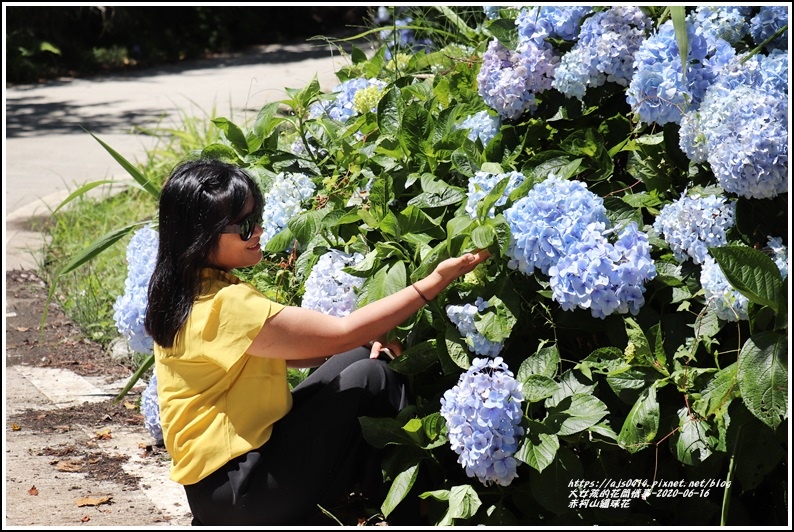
(247, 449)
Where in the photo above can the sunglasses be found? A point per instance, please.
(245, 228)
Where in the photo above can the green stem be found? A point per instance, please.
(726, 497)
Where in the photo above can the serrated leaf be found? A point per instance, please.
(752, 273)
(690, 442)
(762, 372)
(642, 423)
(539, 447)
(538, 387)
(718, 392)
(576, 413)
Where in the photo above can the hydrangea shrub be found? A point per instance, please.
(634, 202)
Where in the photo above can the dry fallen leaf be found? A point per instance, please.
(130, 406)
(14, 426)
(33, 490)
(104, 435)
(70, 466)
(93, 501)
(85, 519)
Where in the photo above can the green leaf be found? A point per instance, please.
(544, 362)
(642, 423)
(576, 413)
(752, 273)
(690, 443)
(399, 488)
(483, 236)
(538, 387)
(380, 432)
(718, 392)
(463, 503)
(390, 112)
(539, 447)
(678, 14)
(82, 190)
(147, 185)
(135, 377)
(233, 134)
(763, 377)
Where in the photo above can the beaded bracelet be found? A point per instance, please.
(420, 293)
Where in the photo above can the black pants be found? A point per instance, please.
(316, 454)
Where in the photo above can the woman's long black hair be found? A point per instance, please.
(198, 200)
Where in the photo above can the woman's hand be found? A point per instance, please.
(394, 347)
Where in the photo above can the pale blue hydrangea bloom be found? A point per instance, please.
(722, 22)
(508, 81)
(721, 297)
(483, 414)
(657, 93)
(481, 125)
(605, 278)
(491, 12)
(330, 290)
(538, 23)
(779, 254)
(769, 20)
(341, 108)
(548, 220)
(604, 52)
(130, 307)
(741, 127)
(692, 224)
(483, 182)
(463, 316)
(150, 408)
(283, 202)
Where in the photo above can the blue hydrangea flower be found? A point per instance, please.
(463, 316)
(483, 414)
(768, 21)
(330, 290)
(741, 127)
(692, 224)
(481, 125)
(728, 23)
(491, 12)
(721, 297)
(508, 81)
(604, 52)
(604, 277)
(283, 202)
(483, 182)
(130, 307)
(544, 223)
(150, 408)
(539, 23)
(657, 92)
(342, 106)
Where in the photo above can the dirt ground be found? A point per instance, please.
(88, 463)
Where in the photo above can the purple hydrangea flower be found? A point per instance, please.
(768, 21)
(508, 81)
(284, 201)
(604, 52)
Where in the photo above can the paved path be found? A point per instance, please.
(47, 155)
